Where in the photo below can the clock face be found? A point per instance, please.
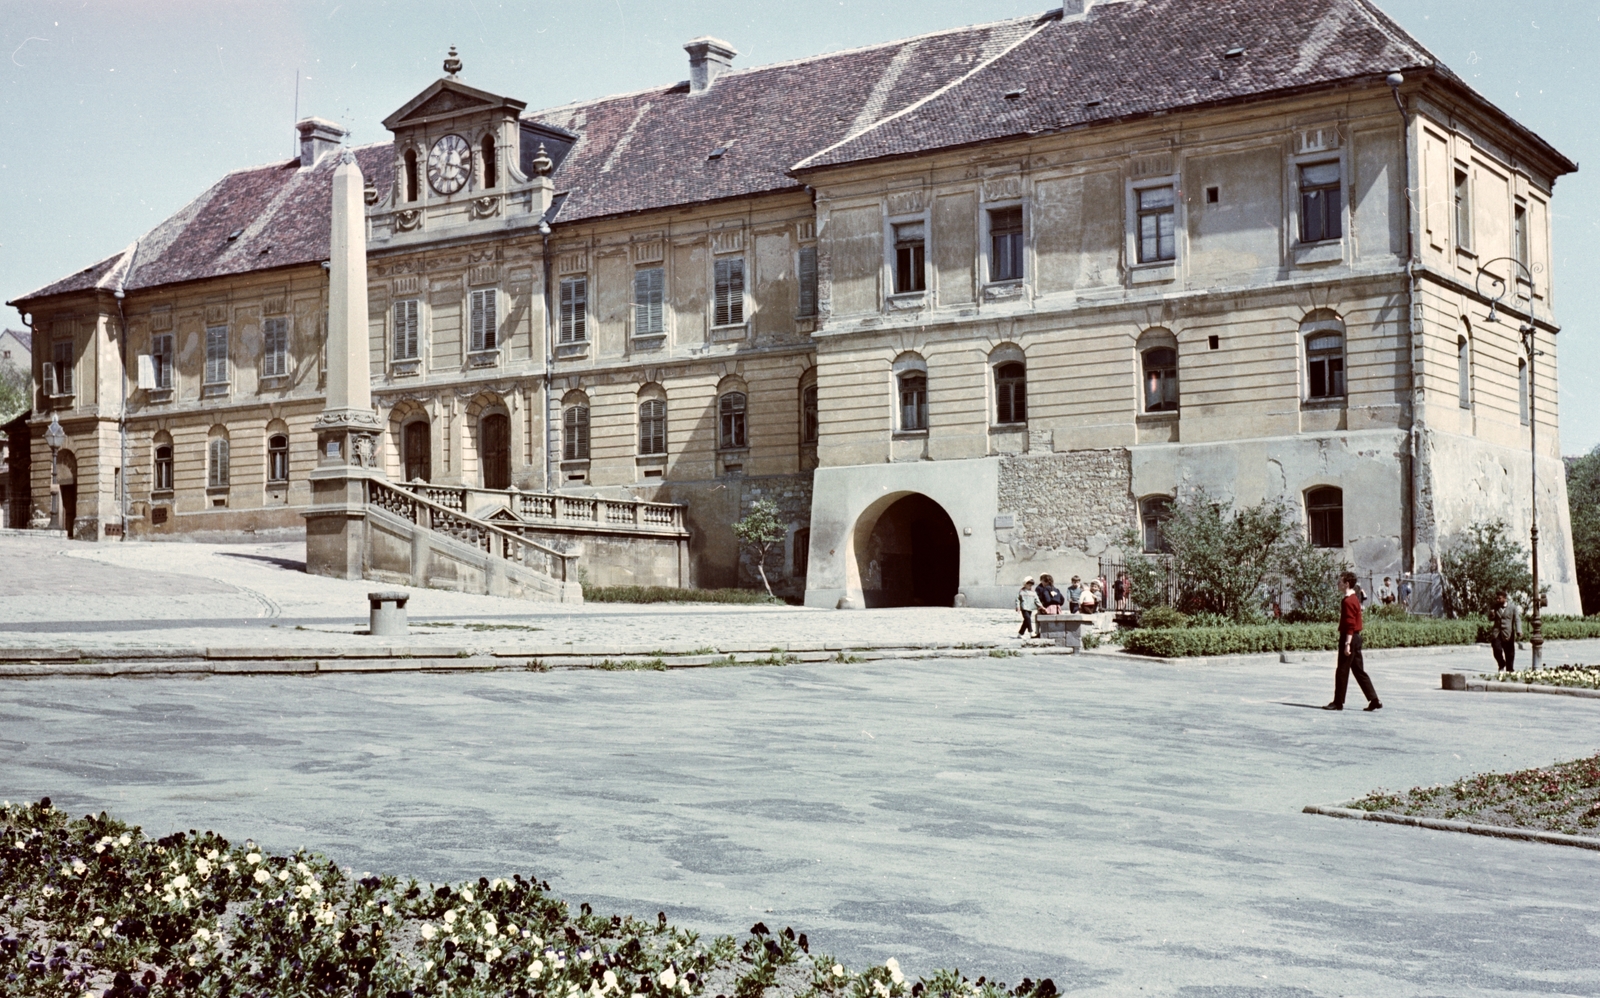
(449, 162)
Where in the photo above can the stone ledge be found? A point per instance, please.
(1446, 825)
(1458, 681)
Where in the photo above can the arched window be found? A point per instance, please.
(1161, 379)
(412, 190)
(163, 477)
(1010, 393)
(652, 427)
(217, 463)
(808, 414)
(1154, 512)
(491, 165)
(278, 458)
(1324, 340)
(731, 420)
(575, 433)
(1522, 391)
(1325, 517)
(913, 401)
(1464, 367)
(416, 439)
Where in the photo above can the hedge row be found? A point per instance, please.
(1565, 628)
(1243, 639)
(668, 594)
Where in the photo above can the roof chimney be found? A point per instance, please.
(1076, 8)
(317, 138)
(709, 58)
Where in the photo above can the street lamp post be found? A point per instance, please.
(1529, 335)
(56, 437)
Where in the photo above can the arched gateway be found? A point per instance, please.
(907, 552)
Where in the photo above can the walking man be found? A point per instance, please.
(1505, 629)
(1350, 649)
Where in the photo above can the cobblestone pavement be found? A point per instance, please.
(1123, 828)
(176, 595)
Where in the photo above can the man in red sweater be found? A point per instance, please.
(1350, 649)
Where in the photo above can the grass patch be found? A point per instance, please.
(667, 594)
(480, 627)
(844, 658)
(1564, 797)
(633, 665)
(224, 918)
(1004, 653)
(1583, 677)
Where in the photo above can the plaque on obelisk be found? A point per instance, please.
(349, 433)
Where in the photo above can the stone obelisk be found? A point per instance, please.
(348, 432)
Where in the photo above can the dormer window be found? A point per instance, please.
(491, 163)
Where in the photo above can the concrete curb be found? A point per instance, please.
(39, 664)
(1444, 825)
(1458, 681)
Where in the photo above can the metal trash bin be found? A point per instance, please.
(388, 614)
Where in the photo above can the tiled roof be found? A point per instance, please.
(1135, 57)
(23, 336)
(653, 149)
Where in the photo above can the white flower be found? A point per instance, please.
(203, 934)
(262, 877)
(892, 964)
(536, 968)
(466, 894)
(283, 875)
(489, 926)
(610, 977)
(387, 911)
(211, 855)
(428, 931)
(77, 866)
(124, 841)
(428, 965)
(668, 979)
(99, 847)
(303, 868)
(838, 971)
(253, 858)
(897, 977)
(492, 955)
(450, 917)
(99, 920)
(180, 882)
(202, 867)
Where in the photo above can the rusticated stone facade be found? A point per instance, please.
(1064, 510)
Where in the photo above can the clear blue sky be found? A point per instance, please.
(117, 114)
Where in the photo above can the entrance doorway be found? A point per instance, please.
(67, 480)
(418, 451)
(494, 450)
(912, 557)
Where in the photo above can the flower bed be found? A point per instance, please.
(1585, 677)
(1243, 639)
(1564, 798)
(92, 907)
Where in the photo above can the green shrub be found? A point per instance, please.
(1163, 617)
(1482, 563)
(667, 594)
(1387, 611)
(1564, 628)
(1247, 639)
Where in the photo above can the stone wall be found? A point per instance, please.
(1058, 513)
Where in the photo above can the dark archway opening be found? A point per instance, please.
(913, 556)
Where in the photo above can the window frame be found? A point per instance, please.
(1335, 366)
(575, 438)
(1461, 204)
(810, 415)
(728, 284)
(1168, 374)
(1010, 394)
(805, 269)
(650, 314)
(652, 427)
(1154, 511)
(161, 473)
(1319, 517)
(1464, 369)
(275, 347)
(573, 306)
(908, 264)
(59, 380)
(733, 425)
(1018, 251)
(218, 473)
(1330, 210)
(1140, 213)
(407, 331)
(217, 358)
(163, 347)
(483, 320)
(278, 459)
(490, 158)
(911, 416)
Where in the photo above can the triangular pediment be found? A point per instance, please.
(449, 98)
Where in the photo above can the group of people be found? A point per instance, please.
(1044, 597)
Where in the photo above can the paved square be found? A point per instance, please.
(1122, 828)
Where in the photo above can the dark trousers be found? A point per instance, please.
(1027, 623)
(1505, 654)
(1348, 664)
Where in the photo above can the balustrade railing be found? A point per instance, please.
(557, 509)
(424, 510)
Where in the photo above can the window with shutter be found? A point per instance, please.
(652, 427)
(574, 309)
(59, 374)
(808, 281)
(217, 473)
(485, 326)
(217, 355)
(406, 339)
(575, 433)
(161, 360)
(274, 347)
(649, 301)
(729, 292)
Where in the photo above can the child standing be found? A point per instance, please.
(1027, 603)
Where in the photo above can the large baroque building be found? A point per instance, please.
(968, 306)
